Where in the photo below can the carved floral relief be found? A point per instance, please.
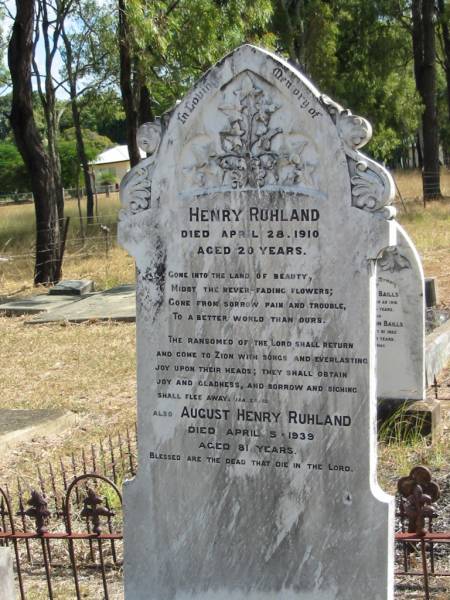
(392, 261)
(136, 186)
(250, 150)
(372, 187)
(246, 156)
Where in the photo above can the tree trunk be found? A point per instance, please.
(419, 151)
(50, 112)
(29, 143)
(445, 35)
(424, 50)
(81, 153)
(81, 150)
(146, 114)
(130, 103)
(293, 12)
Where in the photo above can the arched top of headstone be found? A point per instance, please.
(251, 122)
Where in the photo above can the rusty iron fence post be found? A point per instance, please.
(97, 513)
(425, 569)
(39, 512)
(418, 493)
(12, 527)
(92, 511)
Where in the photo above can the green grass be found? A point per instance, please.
(402, 428)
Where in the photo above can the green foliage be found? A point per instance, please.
(106, 178)
(5, 108)
(443, 102)
(307, 33)
(102, 111)
(374, 74)
(395, 111)
(13, 174)
(177, 46)
(359, 53)
(67, 147)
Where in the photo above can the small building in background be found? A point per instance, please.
(111, 165)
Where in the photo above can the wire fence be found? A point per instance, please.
(99, 237)
(69, 194)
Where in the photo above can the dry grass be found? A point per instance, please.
(63, 588)
(88, 369)
(67, 365)
(409, 182)
(396, 460)
(428, 227)
(84, 258)
(17, 223)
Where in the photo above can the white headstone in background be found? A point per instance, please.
(6, 575)
(256, 224)
(400, 323)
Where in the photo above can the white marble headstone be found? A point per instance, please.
(400, 323)
(7, 591)
(256, 225)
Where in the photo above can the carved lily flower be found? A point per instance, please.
(247, 88)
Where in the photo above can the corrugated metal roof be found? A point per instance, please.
(114, 155)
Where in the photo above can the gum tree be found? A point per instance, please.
(85, 68)
(424, 51)
(29, 142)
(166, 44)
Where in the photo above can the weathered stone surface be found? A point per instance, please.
(72, 287)
(256, 225)
(426, 417)
(437, 352)
(35, 304)
(6, 575)
(400, 323)
(116, 304)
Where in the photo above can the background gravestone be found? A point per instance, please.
(6, 575)
(400, 323)
(256, 225)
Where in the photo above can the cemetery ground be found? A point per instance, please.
(89, 369)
